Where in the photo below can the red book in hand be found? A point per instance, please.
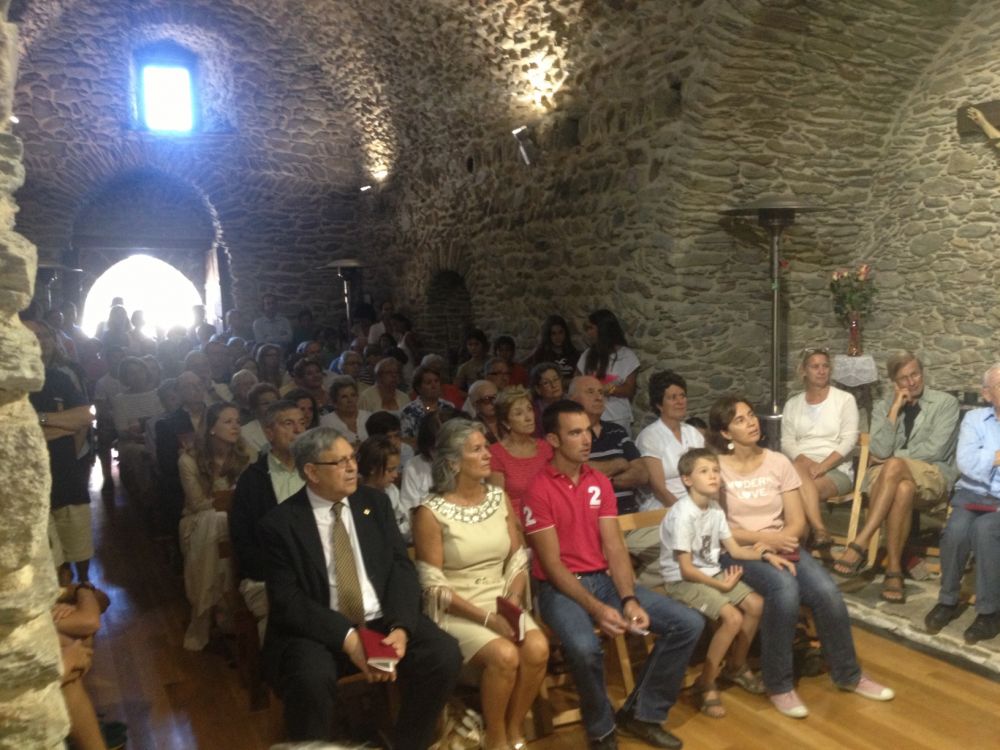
(379, 655)
(514, 616)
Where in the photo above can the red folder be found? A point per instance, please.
(378, 655)
(514, 616)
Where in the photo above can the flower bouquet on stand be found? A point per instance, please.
(853, 299)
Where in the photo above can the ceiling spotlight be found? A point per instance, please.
(525, 146)
(365, 188)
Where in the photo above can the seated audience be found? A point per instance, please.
(215, 392)
(504, 347)
(348, 363)
(364, 577)
(307, 374)
(388, 424)
(219, 456)
(555, 346)
(437, 363)
(385, 394)
(269, 368)
(175, 431)
(131, 410)
(546, 388)
(973, 526)
(417, 478)
(497, 371)
(240, 385)
(220, 364)
(272, 328)
(378, 468)
(372, 355)
(346, 418)
(519, 456)
(270, 480)
(427, 385)
(913, 434)
(586, 577)
(609, 359)
(763, 506)
(409, 344)
(471, 370)
(384, 323)
(469, 553)
(307, 404)
(77, 618)
(260, 397)
(819, 429)
(664, 441)
(481, 405)
(692, 536)
(612, 451)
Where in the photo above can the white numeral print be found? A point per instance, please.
(529, 518)
(595, 497)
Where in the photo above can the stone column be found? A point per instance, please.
(32, 712)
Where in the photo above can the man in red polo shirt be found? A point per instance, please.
(587, 580)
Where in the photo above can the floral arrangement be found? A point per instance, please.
(853, 293)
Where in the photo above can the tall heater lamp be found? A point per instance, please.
(342, 265)
(775, 212)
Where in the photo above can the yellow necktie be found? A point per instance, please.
(349, 600)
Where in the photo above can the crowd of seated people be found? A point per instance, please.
(476, 470)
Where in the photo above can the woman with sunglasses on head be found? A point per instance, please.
(764, 509)
(819, 429)
(519, 455)
(481, 405)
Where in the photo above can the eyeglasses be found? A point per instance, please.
(351, 459)
(809, 351)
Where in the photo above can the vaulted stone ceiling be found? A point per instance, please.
(650, 115)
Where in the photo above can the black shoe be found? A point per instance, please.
(607, 742)
(983, 628)
(940, 616)
(649, 732)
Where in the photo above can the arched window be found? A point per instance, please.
(166, 89)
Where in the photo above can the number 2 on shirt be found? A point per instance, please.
(595, 496)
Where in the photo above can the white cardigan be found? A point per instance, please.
(835, 429)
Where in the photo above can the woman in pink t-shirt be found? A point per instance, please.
(519, 455)
(764, 509)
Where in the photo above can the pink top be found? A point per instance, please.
(575, 511)
(518, 472)
(753, 501)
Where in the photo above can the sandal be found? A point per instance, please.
(711, 707)
(893, 594)
(745, 678)
(847, 568)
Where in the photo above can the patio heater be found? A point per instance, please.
(775, 212)
(343, 266)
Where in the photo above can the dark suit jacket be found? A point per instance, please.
(297, 580)
(168, 431)
(252, 499)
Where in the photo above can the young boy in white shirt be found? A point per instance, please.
(692, 535)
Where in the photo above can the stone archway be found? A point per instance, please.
(146, 211)
(448, 314)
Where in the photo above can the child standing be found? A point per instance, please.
(691, 539)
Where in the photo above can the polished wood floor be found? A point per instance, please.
(175, 700)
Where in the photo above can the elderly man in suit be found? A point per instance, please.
(334, 560)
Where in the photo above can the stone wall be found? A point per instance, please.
(32, 713)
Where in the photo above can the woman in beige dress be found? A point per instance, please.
(218, 458)
(469, 552)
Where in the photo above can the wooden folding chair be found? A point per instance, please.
(247, 655)
(856, 498)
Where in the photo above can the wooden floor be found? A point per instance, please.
(175, 700)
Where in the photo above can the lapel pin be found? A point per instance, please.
(367, 511)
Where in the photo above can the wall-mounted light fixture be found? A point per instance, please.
(365, 188)
(526, 147)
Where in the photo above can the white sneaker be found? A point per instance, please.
(790, 704)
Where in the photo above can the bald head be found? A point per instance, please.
(587, 391)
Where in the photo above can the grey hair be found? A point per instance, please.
(308, 446)
(242, 375)
(994, 371)
(448, 452)
(272, 411)
(474, 390)
(339, 383)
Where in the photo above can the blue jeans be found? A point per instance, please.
(783, 595)
(979, 534)
(657, 686)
